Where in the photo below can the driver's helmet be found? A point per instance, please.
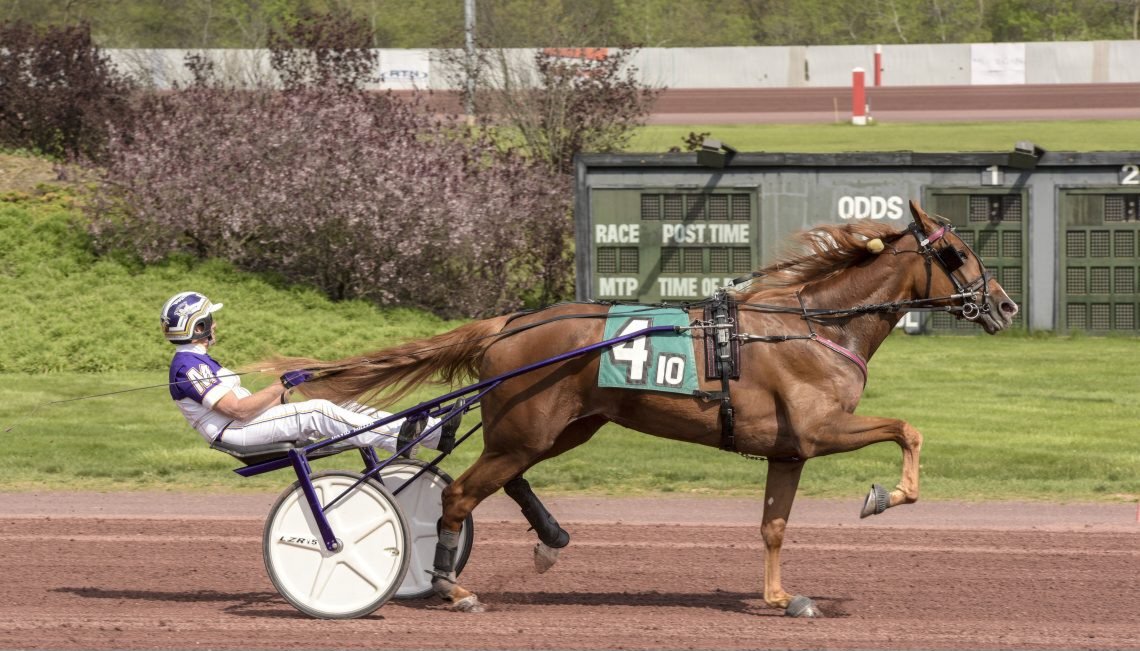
(186, 317)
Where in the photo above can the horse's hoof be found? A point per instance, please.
(877, 501)
(802, 606)
(443, 585)
(544, 557)
(469, 604)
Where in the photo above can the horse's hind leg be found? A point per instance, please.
(779, 493)
(551, 536)
(489, 473)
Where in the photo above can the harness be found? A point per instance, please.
(722, 351)
(722, 360)
(722, 356)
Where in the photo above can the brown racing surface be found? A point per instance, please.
(169, 571)
(940, 103)
(900, 104)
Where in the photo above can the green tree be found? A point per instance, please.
(1036, 20)
(577, 23)
(665, 23)
(956, 21)
(412, 23)
(793, 22)
(544, 23)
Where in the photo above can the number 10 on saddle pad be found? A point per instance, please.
(663, 361)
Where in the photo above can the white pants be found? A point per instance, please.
(313, 420)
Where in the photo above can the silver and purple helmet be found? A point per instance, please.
(182, 315)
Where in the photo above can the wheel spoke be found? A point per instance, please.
(365, 568)
(324, 573)
(362, 530)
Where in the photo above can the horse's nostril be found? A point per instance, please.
(1009, 307)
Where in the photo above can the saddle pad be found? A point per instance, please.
(662, 361)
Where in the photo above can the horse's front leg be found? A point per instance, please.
(779, 493)
(849, 432)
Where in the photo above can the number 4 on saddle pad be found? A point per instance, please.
(663, 361)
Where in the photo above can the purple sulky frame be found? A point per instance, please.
(298, 458)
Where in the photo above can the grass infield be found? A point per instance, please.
(1006, 417)
(1090, 135)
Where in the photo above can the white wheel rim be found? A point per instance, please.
(422, 504)
(359, 576)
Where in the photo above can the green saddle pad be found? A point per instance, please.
(662, 361)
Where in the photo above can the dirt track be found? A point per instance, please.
(153, 571)
(887, 103)
(900, 104)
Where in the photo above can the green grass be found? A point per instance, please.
(1119, 135)
(1004, 417)
(67, 310)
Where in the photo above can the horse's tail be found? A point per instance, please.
(386, 375)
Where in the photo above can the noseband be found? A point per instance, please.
(951, 259)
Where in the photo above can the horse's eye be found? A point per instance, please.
(951, 258)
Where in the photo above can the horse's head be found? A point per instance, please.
(954, 271)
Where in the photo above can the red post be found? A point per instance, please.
(878, 65)
(858, 98)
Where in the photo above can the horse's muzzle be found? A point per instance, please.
(1000, 312)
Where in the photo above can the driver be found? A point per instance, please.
(213, 401)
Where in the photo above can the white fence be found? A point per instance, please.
(1070, 62)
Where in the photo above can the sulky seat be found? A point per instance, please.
(254, 454)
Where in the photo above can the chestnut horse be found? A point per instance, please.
(830, 304)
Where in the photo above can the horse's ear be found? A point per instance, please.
(920, 216)
(916, 211)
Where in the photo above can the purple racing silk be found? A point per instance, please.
(197, 383)
(192, 375)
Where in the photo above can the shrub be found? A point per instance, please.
(58, 93)
(333, 49)
(361, 195)
(561, 103)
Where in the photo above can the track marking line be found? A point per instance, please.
(182, 538)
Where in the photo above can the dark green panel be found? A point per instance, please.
(1083, 210)
(995, 224)
(1100, 261)
(955, 207)
(666, 244)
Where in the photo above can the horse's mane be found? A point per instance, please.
(819, 253)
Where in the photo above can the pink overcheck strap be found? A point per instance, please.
(847, 353)
(935, 236)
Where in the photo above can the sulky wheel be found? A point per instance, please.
(422, 503)
(363, 573)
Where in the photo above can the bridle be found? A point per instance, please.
(951, 259)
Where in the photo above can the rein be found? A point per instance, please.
(36, 408)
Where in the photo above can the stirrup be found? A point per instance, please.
(410, 430)
(447, 432)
